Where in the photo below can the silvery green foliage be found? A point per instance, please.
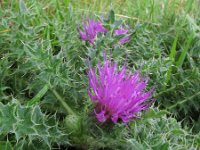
(162, 132)
(29, 125)
(154, 131)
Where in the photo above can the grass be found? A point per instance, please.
(43, 63)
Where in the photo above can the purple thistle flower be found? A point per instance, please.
(91, 29)
(117, 95)
(122, 31)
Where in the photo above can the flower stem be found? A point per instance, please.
(184, 101)
(170, 89)
(63, 103)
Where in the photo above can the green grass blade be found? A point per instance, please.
(6, 145)
(173, 49)
(181, 59)
(22, 6)
(172, 60)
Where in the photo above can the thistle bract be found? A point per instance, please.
(117, 94)
(91, 29)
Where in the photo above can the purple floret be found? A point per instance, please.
(117, 95)
(120, 31)
(91, 29)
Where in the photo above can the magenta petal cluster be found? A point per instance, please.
(91, 29)
(122, 31)
(118, 95)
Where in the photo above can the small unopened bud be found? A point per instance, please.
(73, 124)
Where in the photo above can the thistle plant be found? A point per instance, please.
(44, 101)
(117, 93)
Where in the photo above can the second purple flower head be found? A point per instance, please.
(91, 29)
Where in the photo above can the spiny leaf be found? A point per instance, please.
(29, 122)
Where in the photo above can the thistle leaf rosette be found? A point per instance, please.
(117, 93)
